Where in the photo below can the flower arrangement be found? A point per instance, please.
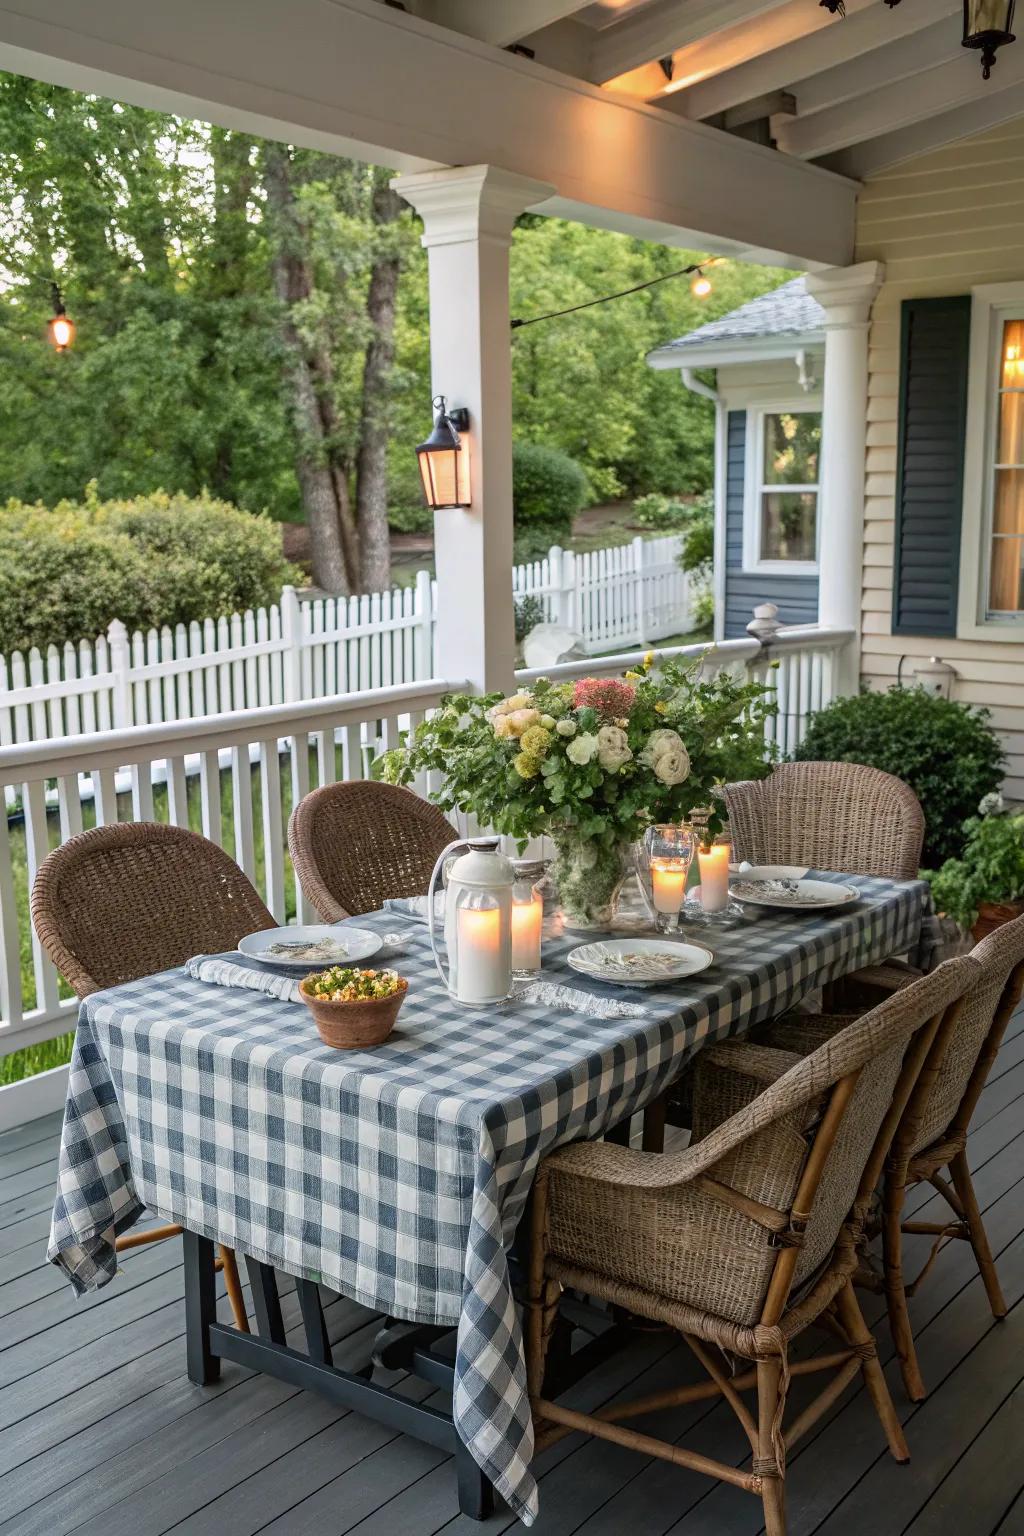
(591, 763)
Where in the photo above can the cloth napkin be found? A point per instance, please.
(228, 973)
(416, 906)
(551, 994)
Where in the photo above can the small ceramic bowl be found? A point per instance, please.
(355, 1025)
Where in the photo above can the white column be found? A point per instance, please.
(846, 295)
(468, 213)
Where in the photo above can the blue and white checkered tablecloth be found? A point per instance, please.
(397, 1176)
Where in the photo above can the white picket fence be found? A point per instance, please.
(315, 648)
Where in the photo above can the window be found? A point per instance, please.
(781, 523)
(1006, 553)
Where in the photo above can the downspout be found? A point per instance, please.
(698, 387)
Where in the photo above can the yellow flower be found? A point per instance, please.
(661, 708)
(526, 766)
(649, 660)
(535, 741)
(632, 677)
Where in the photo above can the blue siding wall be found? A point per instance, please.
(796, 596)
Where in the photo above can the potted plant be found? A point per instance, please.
(985, 886)
(590, 763)
(352, 1008)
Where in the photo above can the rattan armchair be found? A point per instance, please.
(353, 845)
(835, 816)
(132, 899)
(931, 1139)
(748, 1236)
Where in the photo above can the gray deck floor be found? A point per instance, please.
(102, 1434)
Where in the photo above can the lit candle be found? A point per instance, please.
(482, 974)
(527, 921)
(714, 876)
(668, 883)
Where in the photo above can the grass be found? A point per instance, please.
(55, 1053)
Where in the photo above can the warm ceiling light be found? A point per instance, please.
(987, 26)
(701, 286)
(444, 459)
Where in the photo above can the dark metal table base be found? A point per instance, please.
(399, 1347)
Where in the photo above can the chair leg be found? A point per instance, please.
(233, 1286)
(654, 1126)
(856, 1329)
(773, 1477)
(895, 1292)
(964, 1186)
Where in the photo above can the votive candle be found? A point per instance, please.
(668, 883)
(713, 863)
(527, 922)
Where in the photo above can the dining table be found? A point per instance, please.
(398, 1176)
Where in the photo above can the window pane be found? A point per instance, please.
(789, 525)
(1006, 585)
(1011, 428)
(1008, 508)
(792, 443)
(1013, 355)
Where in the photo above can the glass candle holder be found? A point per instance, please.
(527, 918)
(664, 868)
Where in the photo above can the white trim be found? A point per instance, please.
(752, 349)
(696, 387)
(33, 1097)
(992, 303)
(754, 489)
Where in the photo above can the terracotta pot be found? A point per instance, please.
(356, 1025)
(993, 914)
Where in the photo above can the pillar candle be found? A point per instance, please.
(714, 876)
(481, 968)
(668, 883)
(527, 921)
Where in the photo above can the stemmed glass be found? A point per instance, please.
(664, 866)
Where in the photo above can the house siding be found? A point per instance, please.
(942, 223)
(795, 596)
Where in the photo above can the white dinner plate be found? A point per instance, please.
(793, 895)
(340, 946)
(640, 962)
(767, 871)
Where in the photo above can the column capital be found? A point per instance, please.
(846, 294)
(464, 202)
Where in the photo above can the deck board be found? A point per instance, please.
(102, 1434)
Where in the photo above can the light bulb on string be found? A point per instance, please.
(701, 285)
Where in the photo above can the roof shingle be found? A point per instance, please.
(786, 311)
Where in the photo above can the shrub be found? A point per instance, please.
(411, 517)
(658, 512)
(529, 611)
(991, 869)
(158, 559)
(947, 753)
(548, 488)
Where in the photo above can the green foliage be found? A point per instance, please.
(408, 517)
(991, 868)
(555, 760)
(662, 514)
(529, 611)
(548, 487)
(156, 560)
(947, 753)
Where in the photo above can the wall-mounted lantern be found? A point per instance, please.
(987, 26)
(444, 458)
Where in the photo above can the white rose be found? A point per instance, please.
(566, 727)
(581, 749)
(673, 765)
(662, 741)
(612, 748)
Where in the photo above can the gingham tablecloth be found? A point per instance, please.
(397, 1176)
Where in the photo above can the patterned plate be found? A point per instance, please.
(640, 962)
(310, 947)
(793, 895)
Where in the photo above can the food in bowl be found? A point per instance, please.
(350, 984)
(353, 1009)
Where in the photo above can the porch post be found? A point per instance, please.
(468, 213)
(846, 295)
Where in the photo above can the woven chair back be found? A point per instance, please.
(353, 845)
(129, 900)
(834, 816)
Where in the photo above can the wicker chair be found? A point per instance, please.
(748, 1236)
(134, 898)
(836, 816)
(353, 845)
(932, 1137)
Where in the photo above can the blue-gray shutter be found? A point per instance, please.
(934, 341)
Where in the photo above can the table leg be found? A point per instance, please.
(200, 1308)
(265, 1300)
(318, 1345)
(476, 1496)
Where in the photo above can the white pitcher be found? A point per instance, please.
(477, 920)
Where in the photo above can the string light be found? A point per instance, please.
(701, 285)
(700, 288)
(61, 328)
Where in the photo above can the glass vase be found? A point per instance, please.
(590, 874)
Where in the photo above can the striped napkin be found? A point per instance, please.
(228, 973)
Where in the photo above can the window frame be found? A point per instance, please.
(992, 304)
(754, 489)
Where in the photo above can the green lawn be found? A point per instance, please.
(54, 1053)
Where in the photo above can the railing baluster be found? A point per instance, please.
(177, 792)
(142, 792)
(37, 846)
(11, 1002)
(69, 806)
(104, 786)
(209, 796)
(241, 809)
(273, 841)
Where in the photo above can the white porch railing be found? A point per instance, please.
(235, 777)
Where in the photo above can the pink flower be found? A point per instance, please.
(611, 700)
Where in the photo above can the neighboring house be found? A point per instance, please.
(940, 266)
(768, 357)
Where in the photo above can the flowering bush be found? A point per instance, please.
(593, 759)
(991, 868)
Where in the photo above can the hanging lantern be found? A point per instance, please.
(987, 25)
(61, 328)
(444, 459)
